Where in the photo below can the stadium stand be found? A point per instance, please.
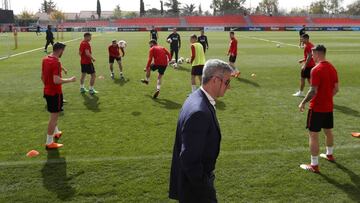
(336, 21)
(136, 22)
(258, 20)
(235, 20)
(223, 21)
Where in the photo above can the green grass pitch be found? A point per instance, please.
(118, 144)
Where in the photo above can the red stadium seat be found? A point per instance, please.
(278, 20)
(233, 20)
(336, 22)
(136, 22)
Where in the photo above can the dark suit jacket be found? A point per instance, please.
(196, 148)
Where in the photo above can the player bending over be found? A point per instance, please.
(87, 66)
(114, 54)
(52, 80)
(232, 53)
(161, 57)
(307, 64)
(197, 61)
(324, 86)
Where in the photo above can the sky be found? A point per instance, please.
(133, 5)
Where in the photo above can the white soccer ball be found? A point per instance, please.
(169, 40)
(278, 45)
(187, 60)
(175, 65)
(180, 61)
(182, 58)
(122, 44)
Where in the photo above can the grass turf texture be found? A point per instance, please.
(118, 144)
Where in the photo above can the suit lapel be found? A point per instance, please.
(212, 110)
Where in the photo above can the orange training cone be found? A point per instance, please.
(357, 135)
(32, 153)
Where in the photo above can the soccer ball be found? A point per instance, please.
(175, 65)
(182, 58)
(278, 45)
(169, 41)
(187, 60)
(172, 61)
(180, 61)
(122, 44)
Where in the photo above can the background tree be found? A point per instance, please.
(298, 11)
(268, 7)
(200, 12)
(47, 6)
(117, 12)
(142, 8)
(162, 7)
(98, 9)
(153, 12)
(354, 8)
(173, 6)
(26, 15)
(188, 9)
(318, 7)
(334, 6)
(227, 6)
(57, 16)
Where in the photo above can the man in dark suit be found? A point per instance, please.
(197, 142)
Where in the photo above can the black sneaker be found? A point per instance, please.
(145, 81)
(156, 94)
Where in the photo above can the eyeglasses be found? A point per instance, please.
(226, 83)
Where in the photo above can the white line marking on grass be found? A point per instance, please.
(271, 41)
(161, 156)
(26, 52)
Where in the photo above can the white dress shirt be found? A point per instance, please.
(211, 100)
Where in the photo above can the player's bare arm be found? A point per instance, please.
(58, 80)
(311, 93)
(308, 59)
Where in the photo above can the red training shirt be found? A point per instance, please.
(307, 51)
(161, 56)
(51, 66)
(84, 45)
(114, 51)
(324, 77)
(233, 47)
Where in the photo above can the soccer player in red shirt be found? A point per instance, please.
(161, 57)
(52, 80)
(232, 53)
(324, 86)
(307, 64)
(114, 54)
(87, 66)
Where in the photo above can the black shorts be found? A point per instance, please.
(54, 103)
(161, 69)
(232, 59)
(305, 73)
(197, 70)
(112, 59)
(88, 68)
(319, 120)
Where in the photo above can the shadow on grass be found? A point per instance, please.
(91, 102)
(248, 82)
(55, 179)
(220, 105)
(352, 190)
(136, 113)
(181, 68)
(168, 104)
(348, 111)
(121, 82)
